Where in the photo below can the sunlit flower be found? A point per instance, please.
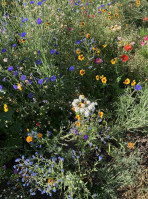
(104, 46)
(77, 117)
(104, 80)
(19, 86)
(77, 123)
(87, 35)
(50, 181)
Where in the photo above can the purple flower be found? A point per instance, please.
(138, 87)
(30, 95)
(52, 51)
(14, 45)
(78, 42)
(85, 137)
(3, 50)
(15, 73)
(31, 2)
(4, 79)
(38, 62)
(15, 86)
(40, 81)
(39, 21)
(1, 87)
(10, 68)
(15, 171)
(71, 68)
(23, 77)
(53, 78)
(4, 167)
(23, 34)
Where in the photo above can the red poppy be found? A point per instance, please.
(124, 58)
(37, 124)
(128, 47)
(145, 19)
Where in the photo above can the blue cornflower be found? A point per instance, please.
(4, 79)
(15, 73)
(3, 50)
(1, 87)
(138, 87)
(85, 137)
(52, 51)
(39, 3)
(39, 52)
(31, 2)
(30, 95)
(23, 77)
(39, 21)
(15, 86)
(23, 34)
(38, 62)
(40, 81)
(10, 68)
(100, 158)
(78, 42)
(53, 78)
(14, 45)
(71, 68)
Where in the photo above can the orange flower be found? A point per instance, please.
(130, 145)
(29, 139)
(101, 114)
(77, 123)
(82, 72)
(40, 135)
(78, 51)
(145, 19)
(87, 35)
(50, 181)
(81, 57)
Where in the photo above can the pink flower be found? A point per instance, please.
(142, 43)
(98, 60)
(145, 38)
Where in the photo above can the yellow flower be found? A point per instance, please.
(101, 76)
(133, 83)
(127, 81)
(101, 114)
(109, 13)
(97, 77)
(104, 45)
(82, 72)
(19, 86)
(94, 48)
(77, 117)
(5, 108)
(116, 14)
(40, 135)
(78, 51)
(28, 130)
(98, 51)
(77, 123)
(81, 57)
(138, 3)
(109, 17)
(29, 139)
(104, 80)
(87, 35)
(114, 61)
(82, 23)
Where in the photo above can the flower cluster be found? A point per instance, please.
(83, 106)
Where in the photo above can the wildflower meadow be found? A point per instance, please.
(74, 99)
